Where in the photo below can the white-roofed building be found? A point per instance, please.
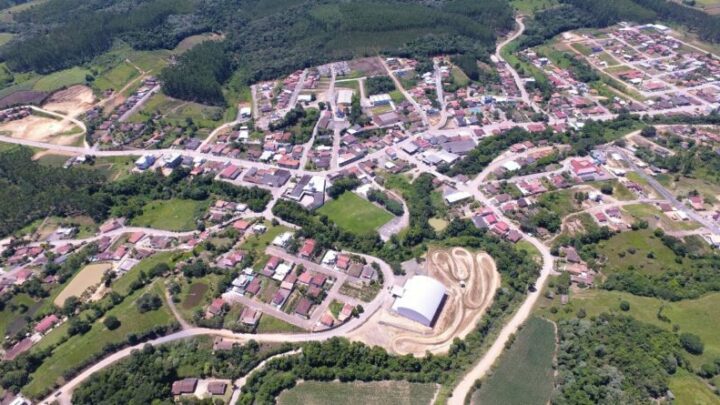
(344, 96)
(380, 99)
(421, 299)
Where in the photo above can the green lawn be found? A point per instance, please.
(459, 77)
(619, 256)
(691, 390)
(63, 78)
(524, 374)
(172, 215)
(698, 316)
(257, 243)
(11, 321)
(79, 349)
(268, 324)
(561, 202)
(620, 192)
(376, 393)
(355, 214)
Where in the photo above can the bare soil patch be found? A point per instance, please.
(368, 66)
(90, 276)
(42, 129)
(72, 101)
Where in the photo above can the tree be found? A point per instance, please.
(625, 306)
(649, 131)
(148, 302)
(111, 322)
(78, 327)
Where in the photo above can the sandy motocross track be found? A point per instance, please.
(471, 279)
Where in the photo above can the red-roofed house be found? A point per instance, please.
(135, 237)
(343, 261)
(307, 249)
(583, 167)
(231, 172)
(216, 306)
(46, 324)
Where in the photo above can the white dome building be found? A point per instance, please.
(421, 299)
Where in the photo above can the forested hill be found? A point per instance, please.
(572, 14)
(265, 38)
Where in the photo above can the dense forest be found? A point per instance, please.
(29, 191)
(263, 39)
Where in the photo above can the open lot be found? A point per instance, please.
(656, 217)
(355, 214)
(376, 393)
(632, 249)
(171, 215)
(89, 276)
(43, 129)
(524, 373)
(116, 78)
(177, 111)
(268, 324)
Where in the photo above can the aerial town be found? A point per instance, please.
(370, 199)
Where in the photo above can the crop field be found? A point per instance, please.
(524, 374)
(376, 393)
(698, 316)
(79, 348)
(89, 276)
(355, 214)
(171, 215)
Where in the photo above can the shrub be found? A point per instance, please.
(111, 322)
(692, 343)
(625, 306)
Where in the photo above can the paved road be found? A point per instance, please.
(518, 81)
(64, 394)
(139, 104)
(662, 191)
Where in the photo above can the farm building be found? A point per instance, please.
(420, 300)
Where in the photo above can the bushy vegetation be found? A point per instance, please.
(395, 207)
(149, 373)
(614, 359)
(378, 85)
(209, 67)
(30, 191)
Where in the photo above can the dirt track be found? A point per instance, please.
(471, 279)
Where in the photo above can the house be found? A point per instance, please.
(241, 225)
(231, 172)
(46, 324)
(135, 237)
(583, 167)
(253, 286)
(696, 202)
(307, 248)
(250, 317)
(185, 386)
(318, 280)
(343, 261)
(327, 320)
(345, 312)
(280, 297)
(513, 236)
(571, 255)
(305, 278)
(303, 308)
(216, 306)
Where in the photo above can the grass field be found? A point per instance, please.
(257, 243)
(63, 78)
(561, 202)
(116, 78)
(459, 77)
(524, 374)
(89, 276)
(698, 316)
(691, 390)
(355, 214)
(619, 190)
(12, 319)
(620, 258)
(177, 111)
(171, 215)
(268, 324)
(197, 295)
(376, 393)
(80, 348)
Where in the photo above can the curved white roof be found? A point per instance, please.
(421, 299)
